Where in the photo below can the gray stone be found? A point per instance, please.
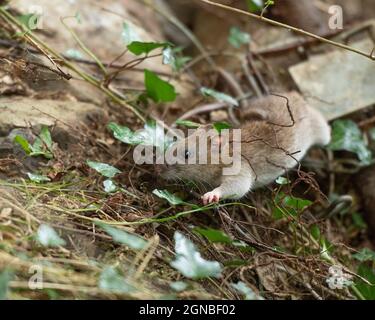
(24, 112)
(339, 82)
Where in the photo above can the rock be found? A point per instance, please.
(24, 112)
(339, 82)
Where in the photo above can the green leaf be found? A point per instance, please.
(46, 138)
(282, 181)
(151, 135)
(74, 54)
(213, 235)
(112, 281)
(188, 124)
(366, 290)
(179, 286)
(346, 135)
(248, 293)
(5, 277)
(190, 262)
(315, 232)
(23, 143)
(180, 62)
(104, 169)
(129, 33)
(43, 145)
(171, 198)
(30, 21)
(38, 178)
(237, 38)
(138, 48)
(109, 186)
(48, 237)
(157, 89)
(255, 5)
(219, 96)
(218, 126)
(289, 205)
(124, 134)
(365, 255)
(123, 237)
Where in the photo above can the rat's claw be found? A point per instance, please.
(211, 197)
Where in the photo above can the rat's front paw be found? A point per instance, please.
(211, 197)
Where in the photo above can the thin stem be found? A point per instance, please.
(83, 46)
(370, 56)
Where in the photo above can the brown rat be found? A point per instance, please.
(270, 145)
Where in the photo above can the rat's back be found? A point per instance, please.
(281, 139)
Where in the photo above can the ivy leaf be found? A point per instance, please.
(109, 186)
(368, 291)
(365, 255)
(151, 135)
(123, 237)
(179, 286)
(74, 54)
(5, 277)
(218, 126)
(292, 205)
(43, 145)
(129, 33)
(45, 136)
(48, 237)
(104, 169)
(158, 89)
(237, 38)
(25, 145)
(30, 21)
(190, 262)
(38, 178)
(124, 134)
(171, 198)
(248, 293)
(112, 281)
(172, 57)
(188, 124)
(346, 135)
(138, 48)
(219, 96)
(282, 181)
(213, 235)
(255, 5)
(180, 62)
(168, 56)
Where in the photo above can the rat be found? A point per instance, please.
(283, 128)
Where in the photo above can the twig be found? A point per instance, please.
(370, 56)
(202, 109)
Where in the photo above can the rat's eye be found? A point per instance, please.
(187, 154)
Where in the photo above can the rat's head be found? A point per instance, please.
(196, 158)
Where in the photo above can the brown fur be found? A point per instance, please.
(269, 147)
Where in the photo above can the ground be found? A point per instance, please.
(70, 237)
